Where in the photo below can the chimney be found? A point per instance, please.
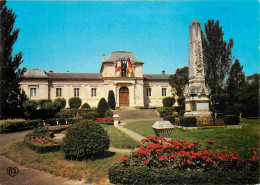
(103, 57)
(51, 71)
(163, 72)
(67, 71)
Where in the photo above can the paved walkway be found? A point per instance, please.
(26, 176)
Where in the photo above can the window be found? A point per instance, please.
(163, 91)
(76, 92)
(32, 92)
(149, 91)
(58, 92)
(93, 91)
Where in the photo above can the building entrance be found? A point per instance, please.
(123, 96)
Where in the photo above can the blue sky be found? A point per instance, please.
(66, 35)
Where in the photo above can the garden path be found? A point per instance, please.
(26, 176)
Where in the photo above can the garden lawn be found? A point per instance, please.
(141, 127)
(118, 139)
(55, 163)
(227, 139)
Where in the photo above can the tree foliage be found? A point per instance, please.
(179, 80)
(217, 56)
(111, 99)
(10, 75)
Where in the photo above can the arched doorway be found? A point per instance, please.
(123, 96)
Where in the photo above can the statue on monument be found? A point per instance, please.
(196, 93)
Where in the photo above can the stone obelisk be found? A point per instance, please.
(196, 92)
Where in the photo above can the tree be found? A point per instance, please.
(217, 56)
(111, 99)
(75, 102)
(102, 107)
(11, 96)
(179, 80)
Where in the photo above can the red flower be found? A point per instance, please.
(145, 162)
(255, 159)
(189, 162)
(162, 158)
(124, 158)
(210, 141)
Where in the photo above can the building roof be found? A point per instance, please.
(115, 55)
(35, 73)
(77, 76)
(156, 77)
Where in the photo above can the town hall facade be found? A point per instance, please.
(121, 72)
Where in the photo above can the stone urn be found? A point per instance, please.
(163, 129)
(116, 119)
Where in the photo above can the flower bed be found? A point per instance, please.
(58, 129)
(106, 120)
(40, 143)
(176, 156)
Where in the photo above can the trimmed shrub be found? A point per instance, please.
(75, 102)
(18, 125)
(181, 113)
(52, 108)
(188, 121)
(30, 107)
(165, 111)
(111, 100)
(42, 102)
(170, 118)
(62, 101)
(85, 140)
(109, 113)
(121, 174)
(102, 107)
(85, 106)
(231, 120)
(90, 115)
(220, 115)
(168, 101)
(70, 113)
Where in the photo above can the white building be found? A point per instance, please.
(131, 89)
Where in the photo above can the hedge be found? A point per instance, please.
(121, 174)
(168, 101)
(90, 115)
(188, 121)
(231, 120)
(19, 125)
(170, 118)
(39, 148)
(70, 113)
(165, 111)
(75, 102)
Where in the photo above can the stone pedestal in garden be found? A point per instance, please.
(163, 129)
(196, 92)
(116, 119)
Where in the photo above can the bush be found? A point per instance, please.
(231, 120)
(30, 107)
(50, 145)
(120, 174)
(73, 113)
(52, 108)
(170, 118)
(102, 107)
(62, 101)
(111, 100)
(181, 113)
(220, 115)
(18, 125)
(75, 102)
(168, 101)
(109, 113)
(188, 121)
(42, 102)
(85, 106)
(90, 115)
(85, 140)
(165, 111)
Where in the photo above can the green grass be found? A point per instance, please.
(118, 139)
(55, 163)
(141, 127)
(230, 140)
